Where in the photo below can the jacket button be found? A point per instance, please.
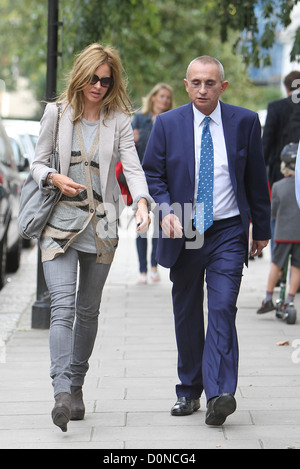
(92, 210)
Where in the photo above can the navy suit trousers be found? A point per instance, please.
(208, 349)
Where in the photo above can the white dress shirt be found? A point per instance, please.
(224, 202)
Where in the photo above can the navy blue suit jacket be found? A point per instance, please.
(169, 165)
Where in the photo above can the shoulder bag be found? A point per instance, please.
(35, 207)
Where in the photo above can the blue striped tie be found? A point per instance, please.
(204, 206)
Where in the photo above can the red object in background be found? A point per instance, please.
(122, 183)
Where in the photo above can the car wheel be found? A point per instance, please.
(14, 257)
(27, 243)
(3, 254)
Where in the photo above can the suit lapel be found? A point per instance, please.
(188, 135)
(230, 134)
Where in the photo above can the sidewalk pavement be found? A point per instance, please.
(130, 386)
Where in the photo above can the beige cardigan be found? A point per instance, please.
(116, 139)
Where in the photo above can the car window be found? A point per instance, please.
(34, 139)
(5, 149)
(16, 150)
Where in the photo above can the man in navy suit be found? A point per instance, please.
(240, 194)
(276, 134)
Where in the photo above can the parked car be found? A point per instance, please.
(10, 189)
(23, 136)
(21, 159)
(33, 129)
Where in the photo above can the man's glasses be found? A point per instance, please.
(197, 84)
(105, 82)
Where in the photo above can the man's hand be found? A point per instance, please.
(257, 247)
(171, 226)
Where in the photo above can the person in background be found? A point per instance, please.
(94, 130)
(279, 131)
(159, 100)
(287, 230)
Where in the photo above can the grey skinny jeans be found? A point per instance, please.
(71, 345)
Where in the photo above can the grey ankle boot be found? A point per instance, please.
(78, 408)
(61, 411)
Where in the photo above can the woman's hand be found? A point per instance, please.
(66, 185)
(143, 219)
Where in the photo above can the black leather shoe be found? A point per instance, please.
(77, 408)
(185, 406)
(218, 408)
(61, 412)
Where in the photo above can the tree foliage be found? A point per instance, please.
(156, 39)
(257, 21)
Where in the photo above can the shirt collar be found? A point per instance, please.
(215, 115)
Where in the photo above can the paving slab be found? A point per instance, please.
(130, 386)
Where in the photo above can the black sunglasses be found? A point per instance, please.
(105, 82)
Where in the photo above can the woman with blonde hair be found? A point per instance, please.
(158, 100)
(94, 130)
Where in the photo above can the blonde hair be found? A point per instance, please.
(147, 101)
(82, 73)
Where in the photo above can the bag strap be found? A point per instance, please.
(54, 159)
(56, 130)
